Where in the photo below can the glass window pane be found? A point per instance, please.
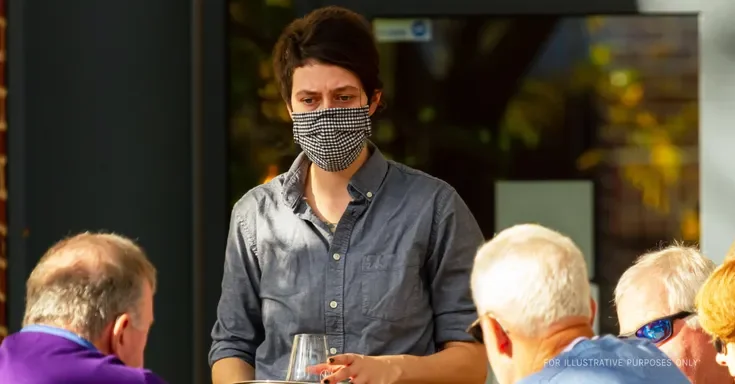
(479, 100)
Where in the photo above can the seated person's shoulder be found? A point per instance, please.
(151, 378)
(127, 375)
(610, 360)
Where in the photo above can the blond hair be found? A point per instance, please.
(84, 282)
(532, 277)
(731, 253)
(716, 303)
(679, 269)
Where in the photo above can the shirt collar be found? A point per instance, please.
(37, 328)
(577, 341)
(366, 181)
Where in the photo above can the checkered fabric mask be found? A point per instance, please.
(332, 138)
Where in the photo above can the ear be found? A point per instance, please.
(500, 339)
(290, 111)
(119, 327)
(593, 310)
(375, 102)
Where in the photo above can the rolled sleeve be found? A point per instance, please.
(238, 330)
(456, 238)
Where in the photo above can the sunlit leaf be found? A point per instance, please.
(646, 120)
(265, 69)
(600, 54)
(665, 155)
(619, 78)
(590, 159)
(633, 95)
(269, 91)
(690, 225)
(668, 160)
(618, 115)
(283, 114)
(583, 77)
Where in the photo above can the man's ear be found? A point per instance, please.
(118, 331)
(502, 342)
(290, 111)
(375, 101)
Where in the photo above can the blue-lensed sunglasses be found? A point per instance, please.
(659, 330)
(720, 346)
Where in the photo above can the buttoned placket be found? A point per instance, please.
(334, 281)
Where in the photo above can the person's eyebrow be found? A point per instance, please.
(305, 92)
(345, 88)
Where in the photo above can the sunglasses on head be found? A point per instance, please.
(659, 330)
(475, 330)
(720, 346)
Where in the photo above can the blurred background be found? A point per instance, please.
(610, 121)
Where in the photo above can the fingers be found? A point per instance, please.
(319, 368)
(345, 359)
(342, 374)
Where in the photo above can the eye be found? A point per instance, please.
(307, 100)
(345, 97)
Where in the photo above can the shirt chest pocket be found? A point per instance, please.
(392, 287)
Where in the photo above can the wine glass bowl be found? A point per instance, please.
(307, 351)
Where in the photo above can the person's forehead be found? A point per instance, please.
(323, 77)
(642, 304)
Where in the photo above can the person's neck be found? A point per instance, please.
(532, 353)
(100, 343)
(324, 183)
(705, 373)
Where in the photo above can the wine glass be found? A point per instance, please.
(308, 350)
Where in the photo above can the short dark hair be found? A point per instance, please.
(330, 35)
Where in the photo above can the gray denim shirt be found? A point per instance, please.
(392, 279)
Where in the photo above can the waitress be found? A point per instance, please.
(370, 252)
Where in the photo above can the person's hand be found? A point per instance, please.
(359, 369)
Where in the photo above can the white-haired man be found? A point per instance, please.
(89, 306)
(532, 294)
(655, 300)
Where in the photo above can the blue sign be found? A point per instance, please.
(418, 28)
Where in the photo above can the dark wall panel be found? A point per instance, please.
(101, 140)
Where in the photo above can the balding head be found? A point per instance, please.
(531, 277)
(84, 282)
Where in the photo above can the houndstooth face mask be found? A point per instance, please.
(332, 138)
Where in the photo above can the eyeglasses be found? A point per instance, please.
(659, 330)
(720, 346)
(475, 330)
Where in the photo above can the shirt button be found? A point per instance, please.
(336, 256)
(333, 304)
(369, 194)
(333, 351)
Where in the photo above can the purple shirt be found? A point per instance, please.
(47, 355)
